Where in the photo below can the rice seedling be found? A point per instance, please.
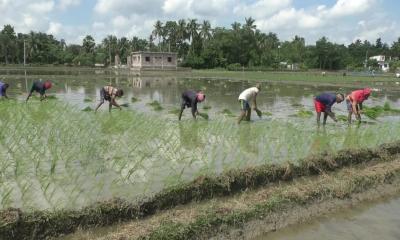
(227, 112)
(174, 111)
(72, 159)
(133, 99)
(376, 111)
(87, 109)
(206, 107)
(155, 105)
(204, 115)
(303, 113)
(87, 100)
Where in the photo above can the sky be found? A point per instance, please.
(342, 21)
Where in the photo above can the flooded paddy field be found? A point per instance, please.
(54, 156)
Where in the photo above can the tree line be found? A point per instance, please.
(199, 45)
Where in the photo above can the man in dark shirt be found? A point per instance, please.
(324, 103)
(190, 99)
(3, 89)
(41, 88)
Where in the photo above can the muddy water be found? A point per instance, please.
(369, 221)
(81, 88)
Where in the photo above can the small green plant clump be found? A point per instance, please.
(156, 105)
(376, 111)
(204, 115)
(206, 107)
(87, 100)
(303, 113)
(87, 109)
(227, 112)
(133, 99)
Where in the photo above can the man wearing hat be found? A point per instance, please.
(190, 99)
(246, 98)
(324, 102)
(354, 102)
(41, 88)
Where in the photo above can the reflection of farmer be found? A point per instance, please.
(246, 98)
(190, 99)
(354, 102)
(324, 102)
(109, 93)
(41, 88)
(3, 89)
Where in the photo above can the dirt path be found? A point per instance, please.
(266, 209)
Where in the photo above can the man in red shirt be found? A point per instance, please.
(354, 102)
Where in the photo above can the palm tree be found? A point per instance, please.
(158, 31)
(250, 24)
(205, 31)
(181, 30)
(236, 26)
(192, 27)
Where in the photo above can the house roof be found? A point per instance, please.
(144, 52)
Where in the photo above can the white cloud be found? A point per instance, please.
(41, 7)
(289, 19)
(120, 22)
(64, 4)
(54, 28)
(350, 7)
(128, 6)
(261, 8)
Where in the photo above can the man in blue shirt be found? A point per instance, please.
(3, 89)
(324, 102)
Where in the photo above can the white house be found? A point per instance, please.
(381, 59)
(152, 60)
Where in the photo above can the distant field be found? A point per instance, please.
(294, 76)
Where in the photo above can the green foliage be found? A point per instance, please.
(200, 46)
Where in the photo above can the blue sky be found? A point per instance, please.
(341, 21)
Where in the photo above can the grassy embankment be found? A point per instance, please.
(330, 77)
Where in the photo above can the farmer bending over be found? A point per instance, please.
(247, 97)
(324, 102)
(41, 88)
(109, 93)
(3, 89)
(354, 102)
(190, 99)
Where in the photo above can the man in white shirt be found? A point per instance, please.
(247, 97)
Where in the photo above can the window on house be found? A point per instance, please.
(169, 59)
(147, 59)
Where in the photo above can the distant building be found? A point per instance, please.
(381, 59)
(152, 60)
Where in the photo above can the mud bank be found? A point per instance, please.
(15, 224)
